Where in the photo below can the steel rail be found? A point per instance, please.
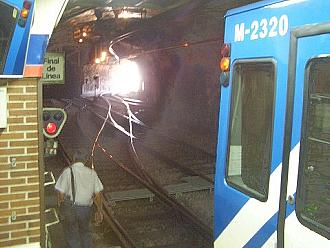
(166, 198)
(116, 226)
(176, 164)
(112, 111)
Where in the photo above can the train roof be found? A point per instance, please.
(251, 7)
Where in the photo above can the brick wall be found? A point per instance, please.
(19, 185)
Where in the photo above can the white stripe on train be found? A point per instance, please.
(265, 210)
(243, 222)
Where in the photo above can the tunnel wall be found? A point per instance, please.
(21, 185)
(184, 80)
(188, 76)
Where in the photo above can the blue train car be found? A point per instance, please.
(273, 156)
(15, 25)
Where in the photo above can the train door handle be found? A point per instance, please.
(290, 199)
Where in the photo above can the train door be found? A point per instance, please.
(248, 163)
(306, 221)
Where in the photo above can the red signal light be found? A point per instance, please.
(225, 50)
(51, 128)
(27, 5)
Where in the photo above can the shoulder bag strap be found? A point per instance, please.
(72, 186)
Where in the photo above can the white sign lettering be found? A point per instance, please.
(261, 29)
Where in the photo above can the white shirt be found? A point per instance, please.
(86, 182)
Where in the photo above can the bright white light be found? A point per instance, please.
(103, 56)
(124, 14)
(128, 14)
(125, 78)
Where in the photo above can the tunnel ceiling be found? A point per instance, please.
(82, 11)
(107, 19)
(155, 20)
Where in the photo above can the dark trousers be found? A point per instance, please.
(76, 226)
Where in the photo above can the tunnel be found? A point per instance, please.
(134, 85)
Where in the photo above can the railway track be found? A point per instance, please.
(161, 220)
(176, 153)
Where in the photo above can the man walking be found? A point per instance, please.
(78, 186)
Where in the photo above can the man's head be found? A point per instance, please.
(79, 156)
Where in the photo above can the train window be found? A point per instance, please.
(8, 17)
(313, 195)
(250, 137)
